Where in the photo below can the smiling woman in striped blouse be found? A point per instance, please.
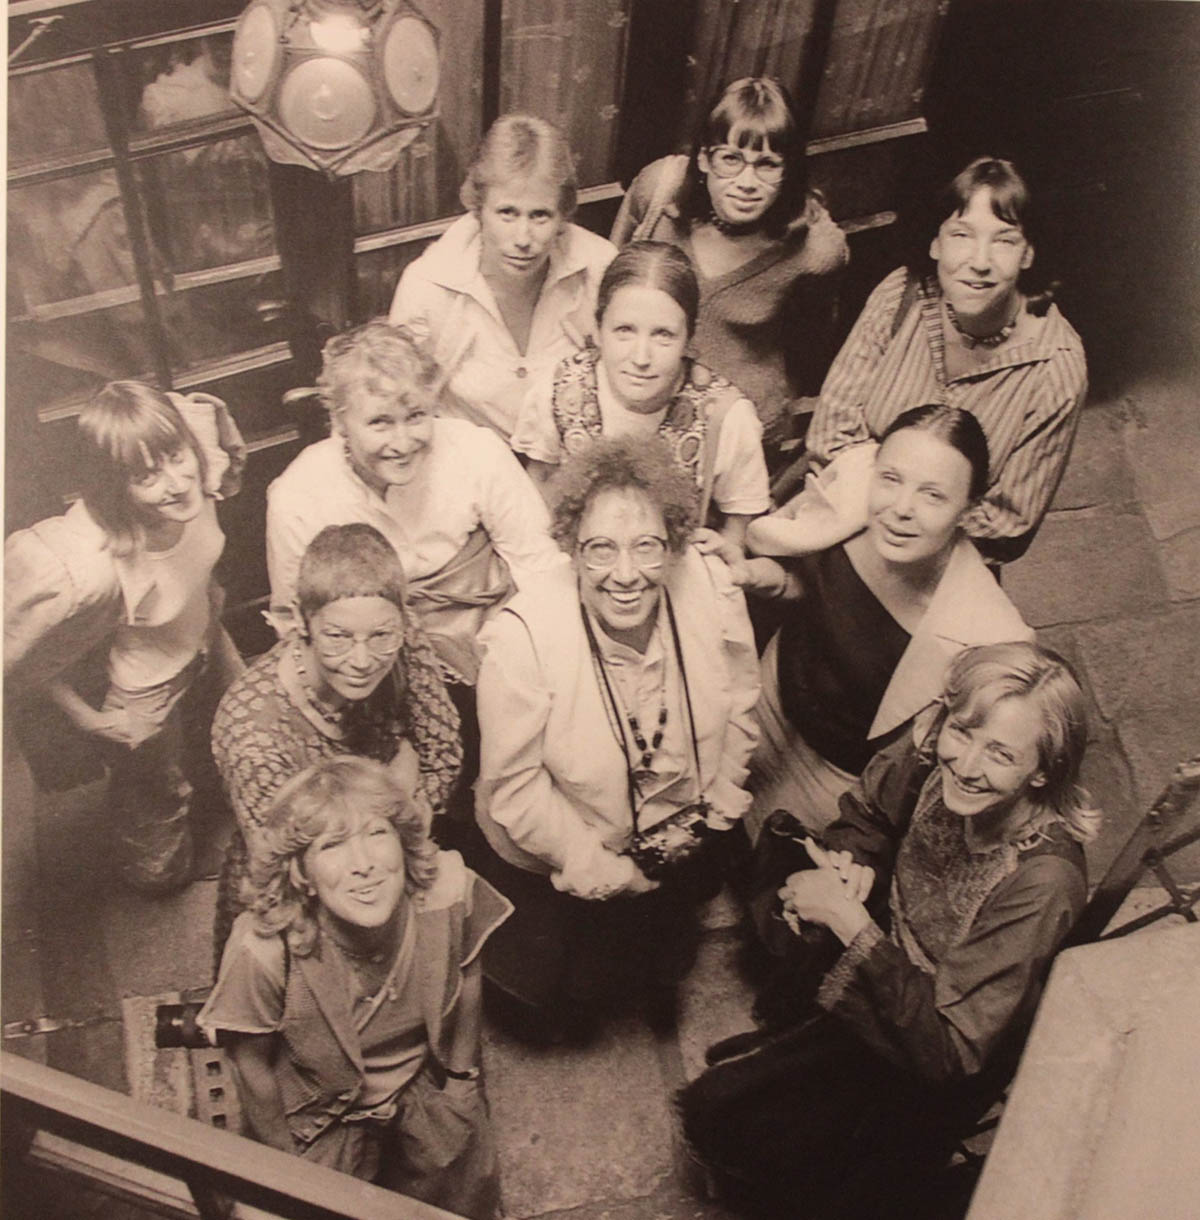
(969, 336)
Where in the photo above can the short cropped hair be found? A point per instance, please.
(353, 560)
(376, 357)
(521, 147)
(617, 464)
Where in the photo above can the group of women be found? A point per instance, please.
(522, 561)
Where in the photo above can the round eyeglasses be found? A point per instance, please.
(381, 643)
(601, 554)
(727, 162)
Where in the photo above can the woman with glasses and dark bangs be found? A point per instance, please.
(615, 702)
(765, 249)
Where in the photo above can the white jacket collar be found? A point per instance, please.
(968, 608)
(452, 262)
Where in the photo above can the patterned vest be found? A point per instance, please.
(703, 398)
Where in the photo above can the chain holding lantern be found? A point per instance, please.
(335, 85)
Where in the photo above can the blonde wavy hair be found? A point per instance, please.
(980, 677)
(330, 794)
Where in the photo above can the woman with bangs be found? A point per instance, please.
(766, 252)
(962, 325)
(112, 617)
(922, 930)
(349, 993)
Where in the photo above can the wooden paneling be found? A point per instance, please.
(564, 61)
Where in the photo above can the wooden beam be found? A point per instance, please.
(74, 1106)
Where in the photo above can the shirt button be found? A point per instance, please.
(522, 371)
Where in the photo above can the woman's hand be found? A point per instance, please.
(821, 896)
(117, 725)
(857, 878)
(640, 884)
(711, 542)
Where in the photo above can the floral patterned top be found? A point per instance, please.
(261, 737)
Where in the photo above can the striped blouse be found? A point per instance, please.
(1026, 397)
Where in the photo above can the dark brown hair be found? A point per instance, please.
(652, 264)
(761, 111)
(958, 428)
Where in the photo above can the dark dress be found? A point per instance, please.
(840, 1109)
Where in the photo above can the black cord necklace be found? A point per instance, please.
(730, 228)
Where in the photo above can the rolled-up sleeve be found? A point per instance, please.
(1024, 486)
(740, 483)
(515, 788)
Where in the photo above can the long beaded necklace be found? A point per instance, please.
(992, 340)
(644, 772)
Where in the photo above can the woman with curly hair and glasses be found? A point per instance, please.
(615, 703)
(349, 991)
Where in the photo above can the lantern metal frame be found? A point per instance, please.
(296, 41)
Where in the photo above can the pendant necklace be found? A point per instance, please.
(644, 773)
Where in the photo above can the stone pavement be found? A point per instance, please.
(1113, 581)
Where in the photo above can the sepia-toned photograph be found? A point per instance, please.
(601, 610)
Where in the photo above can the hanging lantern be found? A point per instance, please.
(336, 85)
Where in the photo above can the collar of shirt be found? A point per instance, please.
(454, 259)
(1053, 334)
